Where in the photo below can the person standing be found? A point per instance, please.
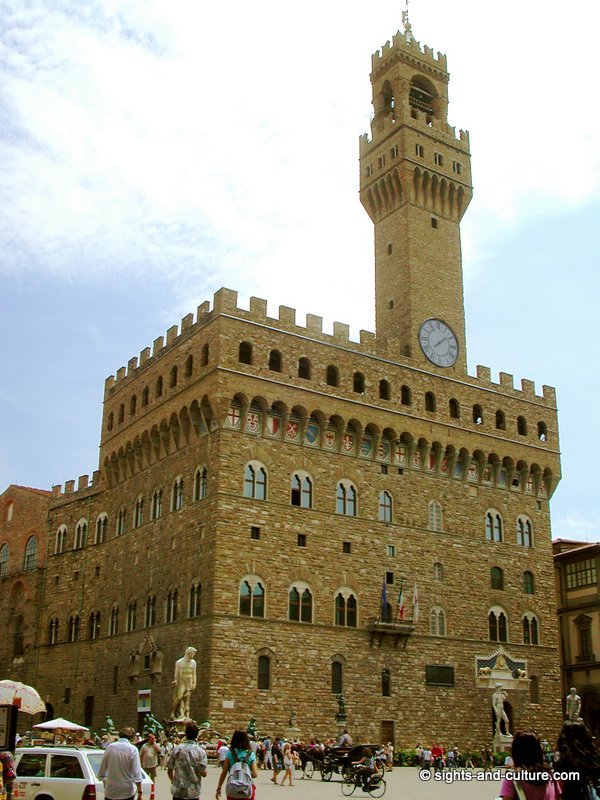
(239, 751)
(187, 765)
(277, 758)
(149, 755)
(288, 764)
(120, 768)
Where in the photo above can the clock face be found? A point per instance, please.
(438, 342)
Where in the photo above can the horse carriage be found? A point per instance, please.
(336, 760)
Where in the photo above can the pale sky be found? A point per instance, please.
(152, 151)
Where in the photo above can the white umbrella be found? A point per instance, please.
(60, 724)
(19, 694)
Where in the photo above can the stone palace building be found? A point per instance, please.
(317, 516)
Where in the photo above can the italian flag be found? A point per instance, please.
(400, 611)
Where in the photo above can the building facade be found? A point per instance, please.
(348, 532)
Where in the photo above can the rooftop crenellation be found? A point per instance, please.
(402, 41)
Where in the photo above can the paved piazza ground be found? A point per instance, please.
(402, 784)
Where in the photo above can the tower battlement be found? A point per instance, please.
(84, 486)
(404, 41)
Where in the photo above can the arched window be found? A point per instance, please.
(113, 625)
(496, 578)
(121, 521)
(171, 606)
(173, 377)
(4, 554)
(252, 597)
(333, 376)
(150, 611)
(437, 621)
(542, 430)
(18, 640)
(438, 571)
(101, 528)
(454, 408)
(405, 396)
(245, 353)
(177, 494)
(189, 366)
(358, 383)
(9, 511)
(73, 628)
(477, 415)
(301, 490)
(498, 625)
(524, 531)
(337, 677)
(121, 412)
(304, 368)
(275, 361)
(145, 396)
(157, 503)
(385, 507)
(204, 355)
(30, 554)
(132, 405)
(300, 603)
(194, 600)
(159, 386)
(110, 423)
(264, 673)
(60, 542)
(255, 481)
(53, 631)
(436, 516)
(430, 404)
(500, 421)
(131, 616)
(528, 582)
(346, 609)
(530, 629)
(138, 512)
(386, 683)
(80, 535)
(384, 390)
(200, 483)
(521, 426)
(493, 526)
(94, 625)
(345, 499)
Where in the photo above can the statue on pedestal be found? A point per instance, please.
(184, 683)
(498, 699)
(573, 706)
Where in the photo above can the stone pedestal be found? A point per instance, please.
(292, 732)
(502, 743)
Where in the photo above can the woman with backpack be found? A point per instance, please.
(239, 768)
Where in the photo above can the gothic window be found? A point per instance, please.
(177, 494)
(337, 677)
(101, 527)
(528, 582)
(138, 512)
(113, 624)
(131, 616)
(73, 628)
(255, 481)
(189, 366)
(264, 673)
(524, 532)
(80, 535)
(405, 396)
(145, 396)
(530, 629)
(496, 578)
(385, 507)
(121, 521)
(358, 383)
(173, 377)
(194, 600)
(110, 421)
(333, 376)
(159, 386)
(500, 421)
(436, 517)
(304, 368)
(94, 625)
(430, 401)
(477, 415)
(301, 490)
(4, 553)
(345, 609)
(150, 611)
(386, 683)
(18, 639)
(542, 430)
(493, 526)
(205, 354)
(245, 353)
(53, 631)
(61, 540)
(438, 571)
(497, 625)
(345, 499)
(157, 503)
(121, 412)
(252, 597)
(171, 606)
(300, 603)
(275, 361)
(132, 405)
(30, 554)
(384, 390)
(200, 483)
(437, 621)
(521, 426)
(454, 408)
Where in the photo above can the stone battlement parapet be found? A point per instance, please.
(84, 485)
(400, 42)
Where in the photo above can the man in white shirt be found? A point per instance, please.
(120, 768)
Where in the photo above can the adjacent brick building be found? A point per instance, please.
(279, 497)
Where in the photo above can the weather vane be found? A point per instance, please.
(407, 26)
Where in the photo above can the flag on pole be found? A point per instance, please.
(415, 605)
(383, 600)
(400, 609)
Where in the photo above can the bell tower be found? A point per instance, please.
(415, 184)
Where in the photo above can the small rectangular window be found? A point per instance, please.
(456, 167)
(254, 532)
(434, 222)
(437, 157)
(369, 171)
(67, 695)
(381, 161)
(391, 550)
(346, 547)
(56, 580)
(301, 540)
(439, 675)
(389, 249)
(384, 469)
(419, 150)
(115, 681)
(389, 577)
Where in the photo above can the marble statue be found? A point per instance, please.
(184, 683)
(498, 699)
(573, 705)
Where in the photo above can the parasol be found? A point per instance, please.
(60, 724)
(19, 694)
